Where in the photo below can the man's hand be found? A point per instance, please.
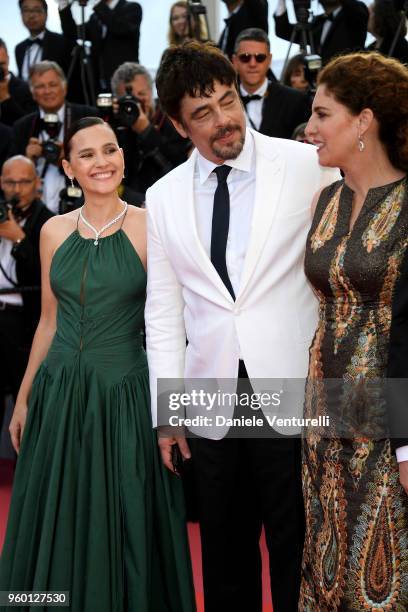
(142, 122)
(403, 473)
(165, 445)
(10, 230)
(33, 149)
(4, 90)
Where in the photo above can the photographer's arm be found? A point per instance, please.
(355, 14)
(120, 23)
(258, 13)
(43, 336)
(68, 25)
(283, 28)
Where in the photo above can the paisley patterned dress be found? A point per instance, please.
(356, 547)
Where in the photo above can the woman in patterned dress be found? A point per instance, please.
(355, 491)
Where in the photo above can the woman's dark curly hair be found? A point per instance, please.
(370, 80)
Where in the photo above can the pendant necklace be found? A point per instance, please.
(105, 227)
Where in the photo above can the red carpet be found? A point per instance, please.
(6, 477)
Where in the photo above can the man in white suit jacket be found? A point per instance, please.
(258, 323)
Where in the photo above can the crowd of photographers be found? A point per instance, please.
(60, 81)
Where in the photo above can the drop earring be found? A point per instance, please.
(72, 182)
(361, 145)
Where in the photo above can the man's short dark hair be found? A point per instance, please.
(191, 69)
(43, 2)
(3, 45)
(256, 34)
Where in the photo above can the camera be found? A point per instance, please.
(5, 206)
(71, 198)
(50, 148)
(129, 110)
(104, 102)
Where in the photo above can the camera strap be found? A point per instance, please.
(6, 276)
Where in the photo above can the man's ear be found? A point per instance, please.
(179, 127)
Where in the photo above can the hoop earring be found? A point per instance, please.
(361, 145)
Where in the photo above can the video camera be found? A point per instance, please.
(6, 205)
(51, 150)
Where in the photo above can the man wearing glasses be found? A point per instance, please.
(22, 215)
(41, 44)
(270, 108)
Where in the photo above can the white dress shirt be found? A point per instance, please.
(241, 186)
(53, 181)
(32, 56)
(8, 263)
(253, 109)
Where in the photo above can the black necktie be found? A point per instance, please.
(246, 99)
(220, 226)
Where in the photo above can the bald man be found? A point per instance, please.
(22, 215)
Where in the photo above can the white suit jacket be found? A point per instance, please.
(272, 321)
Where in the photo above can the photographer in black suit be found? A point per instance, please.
(113, 29)
(271, 108)
(243, 14)
(15, 97)
(342, 28)
(41, 44)
(151, 145)
(49, 88)
(20, 226)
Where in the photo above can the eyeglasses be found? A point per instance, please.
(245, 58)
(33, 11)
(12, 184)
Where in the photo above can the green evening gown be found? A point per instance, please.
(93, 510)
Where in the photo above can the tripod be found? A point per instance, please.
(304, 28)
(81, 56)
(404, 13)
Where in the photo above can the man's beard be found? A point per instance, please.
(228, 151)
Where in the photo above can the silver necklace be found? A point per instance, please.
(105, 227)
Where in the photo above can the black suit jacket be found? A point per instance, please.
(153, 153)
(283, 110)
(55, 48)
(28, 268)
(19, 104)
(121, 43)
(400, 51)
(348, 30)
(29, 126)
(5, 141)
(252, 14)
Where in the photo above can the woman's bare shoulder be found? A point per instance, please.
(58, 228)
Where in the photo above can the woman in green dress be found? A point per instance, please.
(93, 511)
